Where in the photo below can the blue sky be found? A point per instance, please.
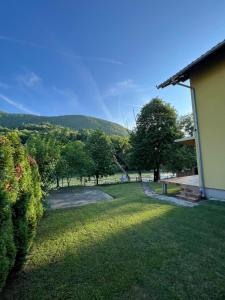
(100, 58)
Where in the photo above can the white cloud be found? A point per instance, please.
(120, 88)
(17, 104)
(29, 79)
(67, 94)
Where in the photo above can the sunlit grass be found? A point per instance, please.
(131, 247)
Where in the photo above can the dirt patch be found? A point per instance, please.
(71, 197)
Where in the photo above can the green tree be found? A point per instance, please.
(121, 148)
(155, 131)
(75, 161)
(136, 161)
(46, 151)
(100, 149)
(182, 157)
(186, 124)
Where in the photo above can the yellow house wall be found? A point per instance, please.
(209, 84)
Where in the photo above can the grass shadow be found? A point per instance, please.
(158, 252)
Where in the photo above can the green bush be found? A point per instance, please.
(20, 203)
(8, 194)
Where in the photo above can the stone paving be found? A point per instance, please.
(149, 192)
(72, 197)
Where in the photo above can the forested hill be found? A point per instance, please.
(76, 122)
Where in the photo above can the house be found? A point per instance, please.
(206, 77)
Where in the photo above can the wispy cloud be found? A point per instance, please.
(120, 88)
(4, 85)
(127, 86)
(89, 58)
(61, 52)
(134, 105)
(68, 95)
(29, 79)
(22, 42)
(17, 104)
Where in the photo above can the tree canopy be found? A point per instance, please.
(99, 147)
(156, 130)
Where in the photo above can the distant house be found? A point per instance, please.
(207, 86)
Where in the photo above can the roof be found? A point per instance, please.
(184, 74)
(190, 140)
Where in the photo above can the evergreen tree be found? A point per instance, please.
(8, 195)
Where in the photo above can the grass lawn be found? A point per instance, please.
(172, 189)
(131, 247)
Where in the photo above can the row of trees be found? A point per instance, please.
(20, 203)
(57, 159)
(63, 153)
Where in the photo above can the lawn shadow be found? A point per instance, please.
(175, 254)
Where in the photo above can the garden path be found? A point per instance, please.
(149, 192)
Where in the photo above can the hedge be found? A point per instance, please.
(20, 203)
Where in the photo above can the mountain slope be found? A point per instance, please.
(77, 122)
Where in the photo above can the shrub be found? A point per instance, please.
(8, 194)
(20, 203)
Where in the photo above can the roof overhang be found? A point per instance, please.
(190, 140)
(184, 74)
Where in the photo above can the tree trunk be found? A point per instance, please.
(57, 182)
(128, 176)
(140, 175)
(156, 174)
(121, 168)
(97, 176)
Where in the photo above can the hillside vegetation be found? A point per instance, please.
(76, 122)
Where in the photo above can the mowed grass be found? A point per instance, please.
(131, 247)
(172, 189)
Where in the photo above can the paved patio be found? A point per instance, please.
(186, 180)
(72, 197)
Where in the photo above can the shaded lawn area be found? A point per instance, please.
(129, 248)
(172, 189)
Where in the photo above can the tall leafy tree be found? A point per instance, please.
(186, 124)
(75, 161)
(136, 161)
(156, 129)
(182, 157)
(121, 148)
(46, 151)
(100, 149)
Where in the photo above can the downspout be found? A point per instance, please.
(197, 139)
